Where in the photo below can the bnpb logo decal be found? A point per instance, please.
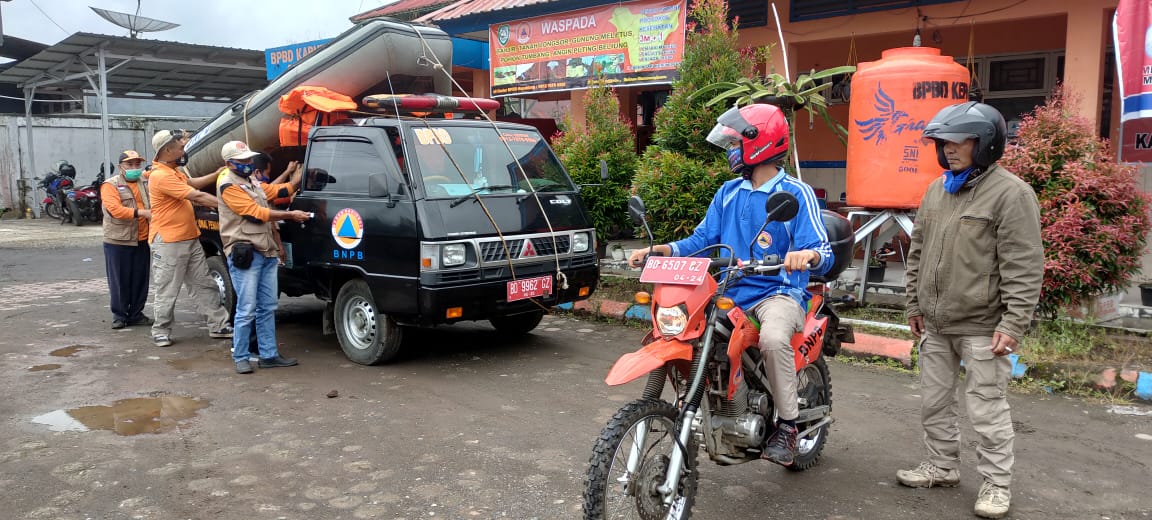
(347, 228)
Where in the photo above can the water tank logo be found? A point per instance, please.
(347, 228)
(888, 119)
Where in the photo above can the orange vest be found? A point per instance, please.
(306, 106)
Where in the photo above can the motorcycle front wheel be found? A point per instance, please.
(644, 432)
(52, 210)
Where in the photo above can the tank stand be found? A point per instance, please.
(876, 219)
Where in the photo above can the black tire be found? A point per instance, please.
(52, 210)
(75, 210)
(606, 497)
(218, 270)
(366, 336)
(815, 384)
(517, 324)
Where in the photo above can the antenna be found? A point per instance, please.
(134, 22)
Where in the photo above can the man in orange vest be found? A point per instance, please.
(126, 214)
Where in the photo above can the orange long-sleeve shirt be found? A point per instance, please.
(244, 206)
(110, 198)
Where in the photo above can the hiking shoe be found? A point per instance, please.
(993, 501)
(243, 367)
(928, 475)
(117, 324)
(161, 340)
(222, 332)
(781, 446)
(278, 361)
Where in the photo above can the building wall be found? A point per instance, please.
(75, 138)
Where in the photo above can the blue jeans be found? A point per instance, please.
(256, 299)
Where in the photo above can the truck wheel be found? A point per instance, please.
(366, 336)
(218, 270)
(76, 218)
(517, 324)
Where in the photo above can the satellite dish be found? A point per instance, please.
(134, 23)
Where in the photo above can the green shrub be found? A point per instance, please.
(677, 190)
(605, 136)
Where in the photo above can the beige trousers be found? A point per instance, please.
(182, 263)
(780, 317)
(985, 391)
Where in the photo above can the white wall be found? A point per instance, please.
(75, 138)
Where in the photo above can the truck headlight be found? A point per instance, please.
(452, 255)
(580, 242)
(671, 321)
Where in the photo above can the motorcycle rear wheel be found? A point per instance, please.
(52, 211)
(612, 493)
(814, 384)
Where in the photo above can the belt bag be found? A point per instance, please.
(242, 253)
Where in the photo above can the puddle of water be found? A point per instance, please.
(69, 351)
(126, 416)
(41, 368)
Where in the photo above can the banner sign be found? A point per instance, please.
(625, 44)
(278, 59)
(1131, 28)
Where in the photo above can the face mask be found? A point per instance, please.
(954, 181)
(242, 169)
(736, 162)
(132, 175)
(182, 161)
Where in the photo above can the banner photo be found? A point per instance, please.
(1131, 28)
(625, 44)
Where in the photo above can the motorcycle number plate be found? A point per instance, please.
(675, 270)
(529, 288)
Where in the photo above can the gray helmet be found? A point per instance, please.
(971, 120)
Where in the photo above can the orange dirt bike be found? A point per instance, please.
(644, 463)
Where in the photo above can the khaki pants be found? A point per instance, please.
(780, 317)
(985, 391)
(182, 263)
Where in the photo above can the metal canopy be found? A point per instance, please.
(142, 68)
(129, 67)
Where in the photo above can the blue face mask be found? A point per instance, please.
(242, 169)
(954, 181)
(133, 175)
(736, 162)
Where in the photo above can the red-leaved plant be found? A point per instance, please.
(1094, 216)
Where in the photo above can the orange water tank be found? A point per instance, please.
(892, 100)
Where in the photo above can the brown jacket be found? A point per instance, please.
(245, 217)
(976, 262)
(124, 231)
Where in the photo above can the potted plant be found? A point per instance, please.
(617, 252)
(1145, 292)
(876, 269)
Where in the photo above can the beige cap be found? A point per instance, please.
(236, 150)
(164, 137)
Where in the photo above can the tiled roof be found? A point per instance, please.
(402, 6)
(464, 8)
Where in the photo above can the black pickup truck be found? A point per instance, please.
(421, 222)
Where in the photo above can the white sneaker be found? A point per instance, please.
(993, 501)
(928, 475)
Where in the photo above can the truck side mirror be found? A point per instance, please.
(378, 188)
(603, 170)
(781, 206)
(636, 209)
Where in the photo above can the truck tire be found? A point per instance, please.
(218, 270)
(366, 336)
(517, 324)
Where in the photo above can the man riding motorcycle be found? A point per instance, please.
(755, 138)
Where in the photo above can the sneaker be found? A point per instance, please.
(161, 340)
(243, 367)
(278, 361)
(117, 324)
(781, 446)
(928, 475)
(143, 320)
(993, 501)
(222, 332)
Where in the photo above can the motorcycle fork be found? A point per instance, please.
(652, 390)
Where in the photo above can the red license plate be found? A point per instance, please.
(529, 288)
(675, 270)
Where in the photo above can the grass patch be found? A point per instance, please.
(619, 288)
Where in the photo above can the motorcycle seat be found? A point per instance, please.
(843, 240)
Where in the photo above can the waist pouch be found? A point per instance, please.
(242, 253)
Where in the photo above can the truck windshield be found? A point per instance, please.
(458, 161)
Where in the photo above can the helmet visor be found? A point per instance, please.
(951, 137)
(729, 129)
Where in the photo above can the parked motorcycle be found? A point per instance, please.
(84, 204)
(56, 185)
(644, 463)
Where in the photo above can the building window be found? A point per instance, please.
(752, 13)
(1017, 83)
(815, 9)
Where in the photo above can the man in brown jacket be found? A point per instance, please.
(975, 267)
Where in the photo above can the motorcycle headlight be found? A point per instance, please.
(671, 321)
(452, 255)
(580, 242)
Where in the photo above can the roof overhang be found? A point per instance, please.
(141, 68)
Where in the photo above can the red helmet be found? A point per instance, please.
(758, 131)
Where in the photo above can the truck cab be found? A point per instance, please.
(420, 222)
